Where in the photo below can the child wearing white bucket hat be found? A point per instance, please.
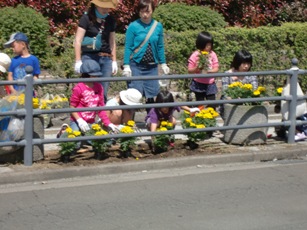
(126, 97)
(5, 62)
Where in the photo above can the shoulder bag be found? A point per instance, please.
(146, 38)
(91, 44)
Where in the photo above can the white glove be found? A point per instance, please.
(127, 71)
(114, 67)
(113, 127)
(83, 125)
(194, 110)
(78, 66)
(165, 68)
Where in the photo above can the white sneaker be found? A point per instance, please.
(63, 128)
(300, 137)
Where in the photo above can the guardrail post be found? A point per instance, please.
(28, 150)
(293, 102)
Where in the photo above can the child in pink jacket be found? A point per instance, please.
(204, 88)
(88, 95)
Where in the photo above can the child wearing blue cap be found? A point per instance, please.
(19, 42)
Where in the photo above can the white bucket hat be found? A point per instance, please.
(131, 96)
(5, 62)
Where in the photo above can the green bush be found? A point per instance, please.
(181, 17)
(60, 57)
(272, 49)
(28, 21)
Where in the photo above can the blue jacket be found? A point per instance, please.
(136, 34)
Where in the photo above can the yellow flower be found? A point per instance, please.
(162, 129)
(200, 114)
(76, 133)
(261, 89)
(96, 127)
(43, 105)
(240, 90)
(256, 93)
(131, 123)
(127, 129)
(279, 90)
(163, 123)
(169, 124)
(235, 84)
(210, 109)
(207, 115)
(35, 102)
(68, 130)
(200, 126)
(192, 124)
(247, 86)
(101, 133)
(21, 99)
(189, 120)
(205, 118)
(203, 60)
(215, 114)
(71, 136)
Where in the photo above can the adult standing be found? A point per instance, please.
(143, 53)
(95, 39)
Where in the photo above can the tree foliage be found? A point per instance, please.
(64, 15)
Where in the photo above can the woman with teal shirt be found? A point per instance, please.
(143, 61)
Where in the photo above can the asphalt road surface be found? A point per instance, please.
(270, 195)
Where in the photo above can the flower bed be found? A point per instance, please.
(205, 118)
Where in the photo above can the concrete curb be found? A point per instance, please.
(24, 174)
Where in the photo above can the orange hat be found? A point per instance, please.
(105, 3)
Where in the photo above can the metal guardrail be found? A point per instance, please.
(28, 112)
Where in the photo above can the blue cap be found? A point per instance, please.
(91, 67)
(16, 37)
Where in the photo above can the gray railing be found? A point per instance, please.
(28, 112)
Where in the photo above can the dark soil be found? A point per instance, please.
(86, 156)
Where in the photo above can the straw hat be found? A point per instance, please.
(105, 3)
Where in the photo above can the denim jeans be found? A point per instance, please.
(106, 69)
(74, 126)
(149, 88)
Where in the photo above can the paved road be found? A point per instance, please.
(269, 196)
